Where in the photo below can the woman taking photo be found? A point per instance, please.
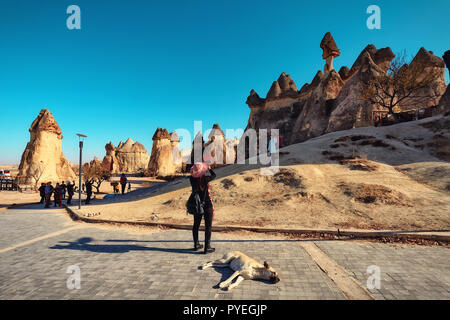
(201, 175)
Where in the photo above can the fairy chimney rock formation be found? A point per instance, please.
(274, 91)
(198, 146)
(128, 157)
(333, 101)
(220, 150)
(110, 161)
(43, 160)
(330, 51)
(165, 159)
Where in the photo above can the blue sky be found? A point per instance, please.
(136, 65)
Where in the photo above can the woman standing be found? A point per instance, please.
(201, 175)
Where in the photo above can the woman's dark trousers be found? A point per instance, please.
(208, 224)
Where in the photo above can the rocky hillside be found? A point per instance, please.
(332, 101)
(395, 177)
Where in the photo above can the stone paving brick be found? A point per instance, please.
(116, 264)
(17, 226)
(407, 272)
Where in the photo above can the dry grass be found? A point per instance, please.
(287, 177)
(360, 164)
(376, 194)
(367, 187)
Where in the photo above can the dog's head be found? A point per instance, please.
(270, 273)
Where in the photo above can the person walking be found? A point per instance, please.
(63, 190)
(201, 175)
(57, 195)
(48, 194)
(88, 191)
(42, 192)
(123, 182)
(116, 187)
(70, 191)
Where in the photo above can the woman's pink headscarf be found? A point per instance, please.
(199, 169)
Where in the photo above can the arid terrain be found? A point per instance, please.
(395, 177)
(8, 198)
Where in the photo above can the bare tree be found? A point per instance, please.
(403, 82)
(96, 174)
(37, 172)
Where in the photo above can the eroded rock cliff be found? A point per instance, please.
(165, 159)
(333, 100)
(128, 157)
(43, 159)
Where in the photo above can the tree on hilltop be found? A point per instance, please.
(401, 83)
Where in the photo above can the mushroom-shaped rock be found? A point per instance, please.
(275, 91)
(330, 51)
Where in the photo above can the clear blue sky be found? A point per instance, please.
(136, 65)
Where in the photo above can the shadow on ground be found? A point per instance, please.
(85, 244)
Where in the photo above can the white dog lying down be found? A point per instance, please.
(244, 267)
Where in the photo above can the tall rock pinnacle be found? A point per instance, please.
(330, 51)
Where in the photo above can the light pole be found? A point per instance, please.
(81, 138)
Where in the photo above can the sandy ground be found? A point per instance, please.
(389, 178)
(8, 198)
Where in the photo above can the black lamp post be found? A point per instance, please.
(81, 138)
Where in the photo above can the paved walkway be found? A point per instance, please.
(38, 246)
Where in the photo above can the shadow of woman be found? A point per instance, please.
(84, 244)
